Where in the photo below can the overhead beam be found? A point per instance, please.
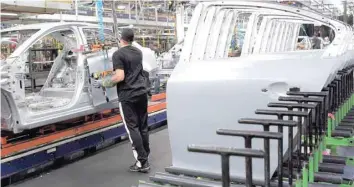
(40, 6)
(93, 19)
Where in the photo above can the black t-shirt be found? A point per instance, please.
(129, 59)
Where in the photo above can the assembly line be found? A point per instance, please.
(245, 93)
(18, 156)
(102, 168)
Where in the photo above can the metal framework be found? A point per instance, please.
(136, 12)
(332, 8)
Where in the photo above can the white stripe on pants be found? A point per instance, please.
(135, 153)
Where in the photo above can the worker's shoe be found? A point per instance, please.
(145, 168)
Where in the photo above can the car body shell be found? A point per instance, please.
(52, 105)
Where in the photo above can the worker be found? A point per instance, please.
(317, 41)
(131, 83)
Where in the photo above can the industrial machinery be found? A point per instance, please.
(169, 59)
(167, 62)
(65, 57)
(240, 56)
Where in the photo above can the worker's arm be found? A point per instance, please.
(118, 74)
(111, 81)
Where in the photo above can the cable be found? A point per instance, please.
(99, 5)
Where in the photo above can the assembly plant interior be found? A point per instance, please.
(240, 93)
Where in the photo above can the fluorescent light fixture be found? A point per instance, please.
(7, 14)
(127, 26)
(121, 7)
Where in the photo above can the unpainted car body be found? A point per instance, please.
(213, 86)
(66, 92)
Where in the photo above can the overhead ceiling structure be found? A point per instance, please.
(350, 5)
(332, 8)
(13, 9)
(8, 16)
(142, 13)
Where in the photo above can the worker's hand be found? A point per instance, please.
(97, 83)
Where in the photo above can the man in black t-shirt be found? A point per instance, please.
(132, 91)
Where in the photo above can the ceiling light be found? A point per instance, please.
(7, 14)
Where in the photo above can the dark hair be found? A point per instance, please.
(127, 35)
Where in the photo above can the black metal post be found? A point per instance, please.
(248, 136)
(248, 144)
(290, 107)
(266, 124)
(225, 170)
(225, 153)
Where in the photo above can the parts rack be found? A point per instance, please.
(321, 154)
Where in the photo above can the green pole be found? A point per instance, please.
(298, 181)
(317, 159)
(305, 176)
(311, 170)
(320, 152)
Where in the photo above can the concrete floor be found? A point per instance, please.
(108, 168)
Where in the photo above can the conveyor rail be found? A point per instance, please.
(31, 154)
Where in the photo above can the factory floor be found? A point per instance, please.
(108, 168)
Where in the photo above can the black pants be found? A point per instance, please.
(135, 115)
